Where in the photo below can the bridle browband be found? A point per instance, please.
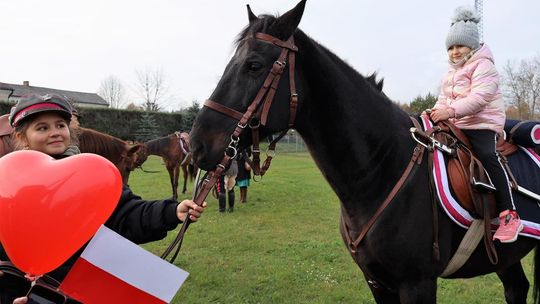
(255, 115)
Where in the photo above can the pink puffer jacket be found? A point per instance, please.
(472, 93)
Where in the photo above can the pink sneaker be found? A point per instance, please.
(509, 227)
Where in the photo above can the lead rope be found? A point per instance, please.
(199, 196)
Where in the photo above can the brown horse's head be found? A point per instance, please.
(141, 155)
(129, 160)
(118, 151)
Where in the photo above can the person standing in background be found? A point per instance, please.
(244, 173)
(225, 185)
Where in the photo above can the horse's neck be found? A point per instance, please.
(358, 138)
(156, 147)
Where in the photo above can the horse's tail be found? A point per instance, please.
(536, 290)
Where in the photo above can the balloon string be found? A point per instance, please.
(32, 278)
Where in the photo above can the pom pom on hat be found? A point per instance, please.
(465, 13)
(464, 28)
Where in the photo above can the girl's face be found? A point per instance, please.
(458, 52)
(47, 132)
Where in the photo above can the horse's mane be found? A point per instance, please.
(103, 144)
(156, 146)
(264, 23)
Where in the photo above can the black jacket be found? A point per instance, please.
(138, 220)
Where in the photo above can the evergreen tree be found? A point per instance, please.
(421, 103)
(189, 114)
(148, 128)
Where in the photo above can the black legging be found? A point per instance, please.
(484, 144)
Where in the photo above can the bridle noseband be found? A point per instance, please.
(255, 115)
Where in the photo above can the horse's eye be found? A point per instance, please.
(254, 66)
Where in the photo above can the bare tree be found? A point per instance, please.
(112, 90)
(522, 87)
(152, 88)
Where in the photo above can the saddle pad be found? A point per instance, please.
(526, 135)
(525, 165)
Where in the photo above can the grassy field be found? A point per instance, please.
(283, 246)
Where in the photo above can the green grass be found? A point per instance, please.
(283, 246)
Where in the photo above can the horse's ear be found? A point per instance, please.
(251, 16)
(134, 149)
(287, 24)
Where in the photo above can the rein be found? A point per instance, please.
(416, 159)
(255, 115)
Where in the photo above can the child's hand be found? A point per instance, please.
(22, 300)
(439, 115)
(189, 207)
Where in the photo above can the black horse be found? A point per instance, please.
(360, 141)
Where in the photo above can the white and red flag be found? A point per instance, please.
(112, 269)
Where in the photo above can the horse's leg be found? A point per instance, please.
(380, 293)
(383, 295)
(418, 291)
(170, 169)
(175, 178)
(515, 284)
(185, 171)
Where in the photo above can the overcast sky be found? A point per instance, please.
(75, 45)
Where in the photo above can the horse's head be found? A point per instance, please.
(129, 161)
(247, 94)
(141, 156)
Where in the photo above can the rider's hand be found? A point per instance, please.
(189, 206)
(439, 115)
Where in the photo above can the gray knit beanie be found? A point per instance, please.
(464, 29)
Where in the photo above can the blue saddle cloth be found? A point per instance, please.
(525, 165)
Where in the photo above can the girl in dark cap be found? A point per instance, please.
(42, 123)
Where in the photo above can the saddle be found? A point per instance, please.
(183, 139)
(468, 179)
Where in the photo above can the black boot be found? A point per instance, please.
(231, 200)
(221, 200)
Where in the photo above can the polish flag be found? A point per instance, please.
(112, 269)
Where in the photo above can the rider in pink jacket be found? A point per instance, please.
(470, 97)
(470, 92)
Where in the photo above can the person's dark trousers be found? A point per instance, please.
(484, 144)
(221, 194)
(230, 195)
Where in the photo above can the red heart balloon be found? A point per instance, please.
(50, 208)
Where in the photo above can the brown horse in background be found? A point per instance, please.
(6, 145)
(174, 150)
(117, 151)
